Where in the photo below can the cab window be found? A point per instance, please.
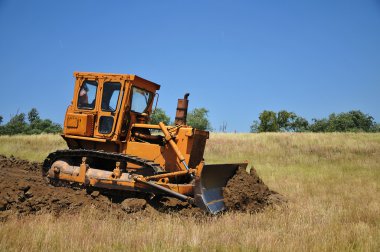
(87, 95)
(110, 97)
(140, 100)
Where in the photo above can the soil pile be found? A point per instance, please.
(246, 192)
(23, 191)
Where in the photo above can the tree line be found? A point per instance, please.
(32, 123)
(29, 125)
(268, 121)
(285, 121)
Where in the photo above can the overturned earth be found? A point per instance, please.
(23, 191)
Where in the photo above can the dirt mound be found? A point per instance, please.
(23, 191)
(247, 192)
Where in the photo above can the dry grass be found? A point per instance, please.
(332, 181)
(33, 147)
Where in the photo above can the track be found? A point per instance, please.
(100, 156)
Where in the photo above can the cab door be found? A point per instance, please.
(110, 98)
(81, 115)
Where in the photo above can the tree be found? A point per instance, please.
(360, 121)
(300, 124)
(254, 128)
(268, 122)
(282, 121)
(43, 126)
(285, 120)
(319, 125)
(2, 128)
(33, 115)
(375, 127)
(159, 115)
(198, 118)
(16, 125)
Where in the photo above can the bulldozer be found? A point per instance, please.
(112, 145)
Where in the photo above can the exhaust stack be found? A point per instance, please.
(181, 114)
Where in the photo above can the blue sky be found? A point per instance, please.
(236, 58)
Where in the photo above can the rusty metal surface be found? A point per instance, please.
(198, 147)
(181, 114)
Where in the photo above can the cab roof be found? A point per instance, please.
(131, 77)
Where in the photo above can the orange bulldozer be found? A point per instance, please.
(111, 144)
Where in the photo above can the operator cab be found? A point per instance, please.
(106, 105)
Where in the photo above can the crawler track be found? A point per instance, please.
(124, 159)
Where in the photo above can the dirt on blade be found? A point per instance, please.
(246, 192)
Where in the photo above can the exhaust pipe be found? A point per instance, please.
(181, 114)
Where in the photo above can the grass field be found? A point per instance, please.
(332, 182)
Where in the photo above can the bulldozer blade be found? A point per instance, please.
(208, 190)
